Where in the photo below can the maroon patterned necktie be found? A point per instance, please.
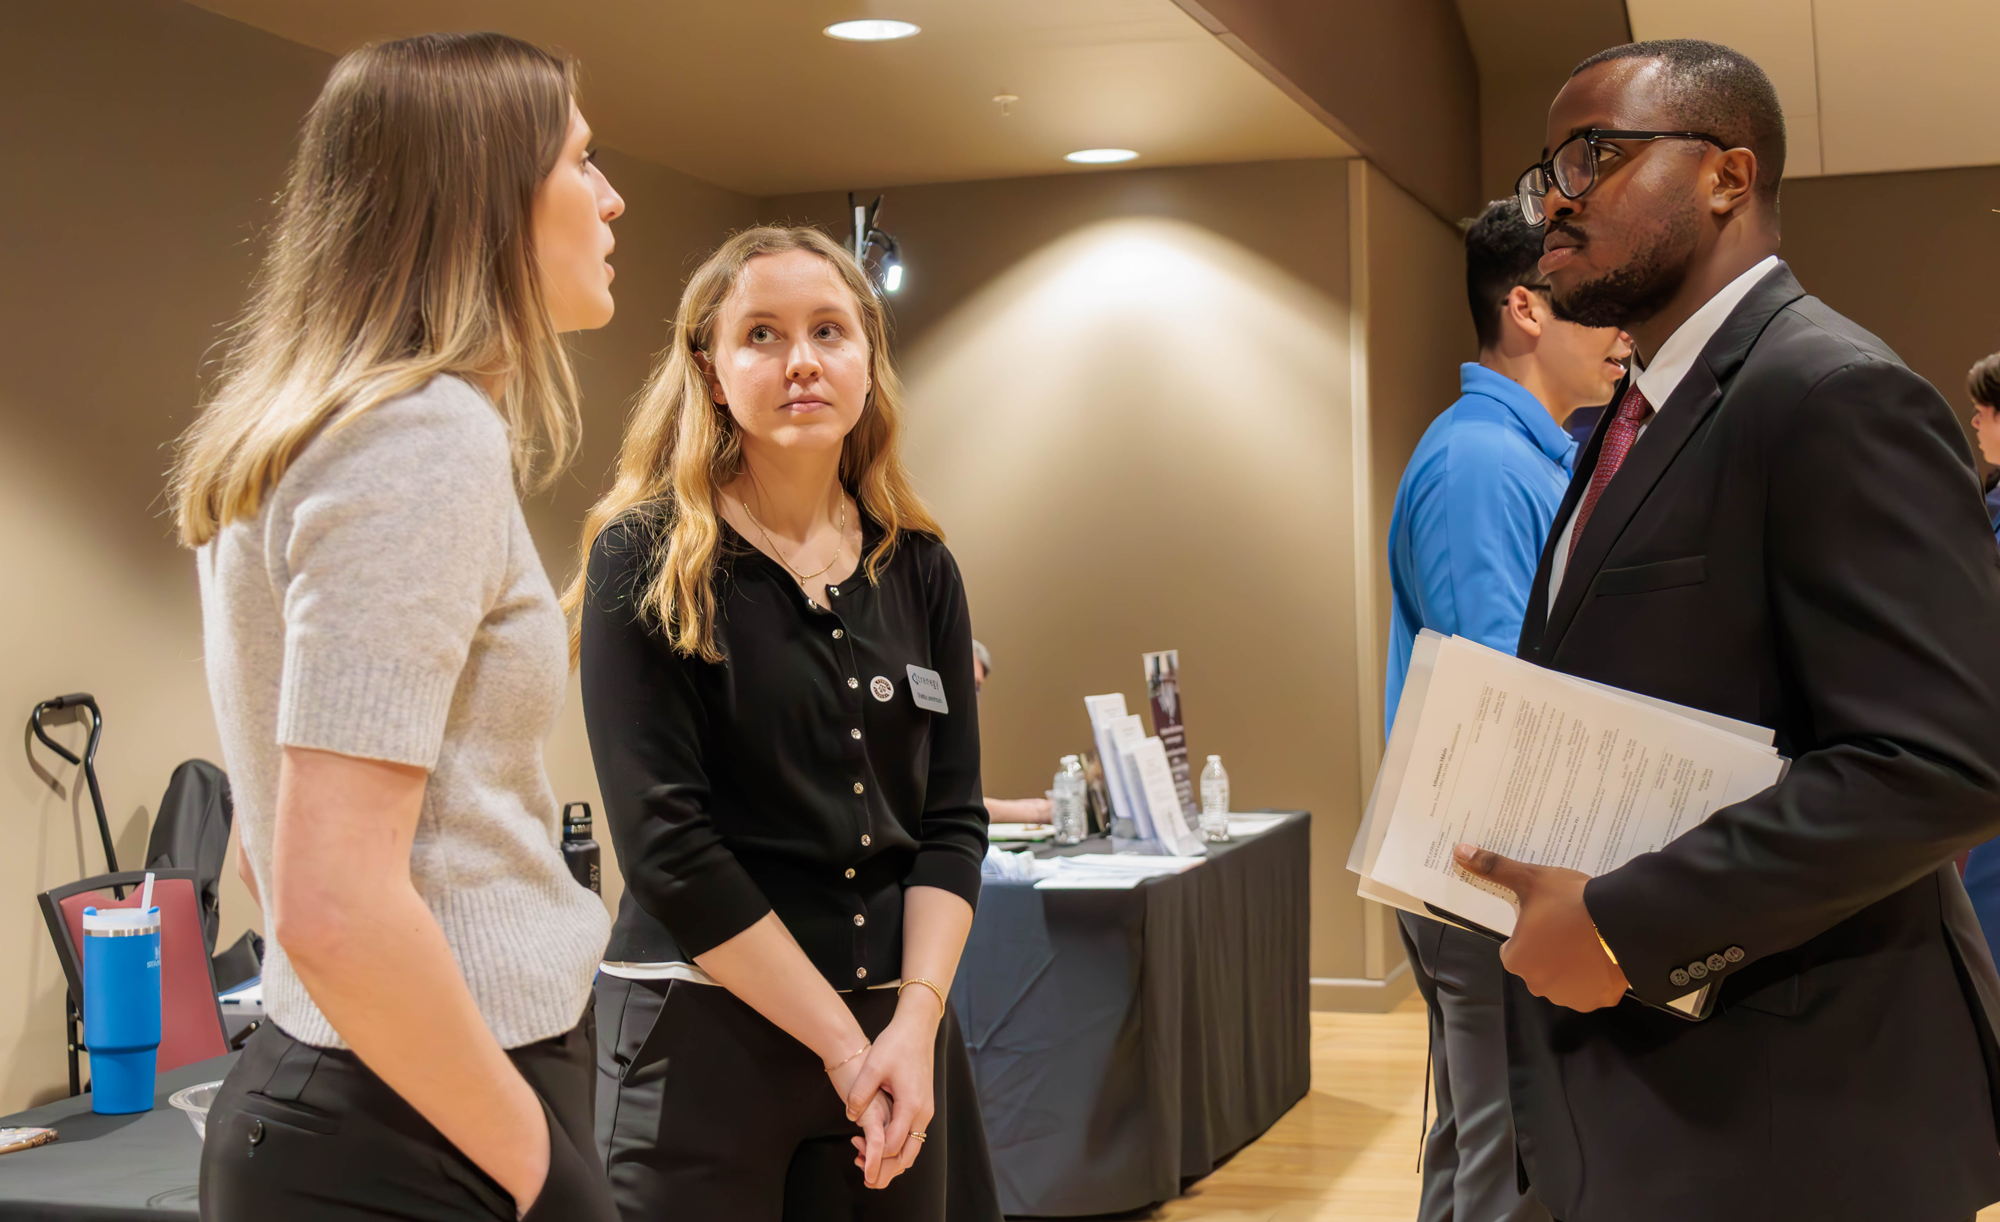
(1632, 413)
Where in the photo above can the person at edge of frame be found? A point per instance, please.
(1471, 515)
(386, 655)
(1779, 523)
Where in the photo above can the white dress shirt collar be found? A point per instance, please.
(1663, 374)
(1661, 377)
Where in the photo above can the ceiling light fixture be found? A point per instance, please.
(870, 30)
(1100, 156)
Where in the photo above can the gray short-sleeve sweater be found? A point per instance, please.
(387, 602)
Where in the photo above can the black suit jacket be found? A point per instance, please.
(1796, 541)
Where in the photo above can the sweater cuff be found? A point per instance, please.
(948, 869)
(374, 708)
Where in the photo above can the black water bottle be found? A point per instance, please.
(579, 850)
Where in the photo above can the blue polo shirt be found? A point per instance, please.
(1472, 513)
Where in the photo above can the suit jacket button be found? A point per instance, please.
(256, 1132)
(1679, 976)
(1716, 963)
(1697, 969)
(1734, 954)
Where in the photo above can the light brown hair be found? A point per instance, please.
(403, 250)
(681, 447)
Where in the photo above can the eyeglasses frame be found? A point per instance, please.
(1590, 136)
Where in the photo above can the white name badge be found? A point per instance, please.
(927, 689)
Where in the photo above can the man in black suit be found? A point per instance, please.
(1779, 523)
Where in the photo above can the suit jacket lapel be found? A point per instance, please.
(1684, 411)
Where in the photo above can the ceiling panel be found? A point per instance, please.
(755, 98)
(1909, 85)
(1778, 34)
(1869, 86)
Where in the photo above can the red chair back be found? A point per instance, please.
(190, 1021)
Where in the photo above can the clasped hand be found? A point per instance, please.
(1555, 949)
(890, 1095)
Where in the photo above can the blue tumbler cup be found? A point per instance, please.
(121, 1006)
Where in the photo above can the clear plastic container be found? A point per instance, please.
(194, 1103)
(1070, 812)
(1214, 801)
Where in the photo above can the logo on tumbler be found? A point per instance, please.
(882, 689)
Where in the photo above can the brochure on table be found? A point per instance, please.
(1163, 692)
(1140, 777)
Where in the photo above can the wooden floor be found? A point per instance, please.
(1348, 1151)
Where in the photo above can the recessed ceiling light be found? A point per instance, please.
(870, 31)
(1100, 156)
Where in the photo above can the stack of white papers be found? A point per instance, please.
(1138, 776)
(1541, 767)
(1117, 871)
(1019, 831)
(1252, 825)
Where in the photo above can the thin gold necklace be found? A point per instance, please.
(840, 532)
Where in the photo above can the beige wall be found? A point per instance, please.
(1913, 257)
(1396, 79)
(1413, 331)
(1131, 408)
(143, 139)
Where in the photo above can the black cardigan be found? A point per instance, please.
(781, 779)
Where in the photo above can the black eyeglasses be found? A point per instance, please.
(1572, 170)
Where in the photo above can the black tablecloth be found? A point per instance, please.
(1126, 1041)
(108, 1168)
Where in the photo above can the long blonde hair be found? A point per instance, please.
(403, 249)
(681, 447)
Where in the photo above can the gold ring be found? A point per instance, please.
(919, 1136)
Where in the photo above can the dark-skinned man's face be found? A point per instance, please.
(1619, 254)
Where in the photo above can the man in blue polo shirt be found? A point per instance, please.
(1473, 510)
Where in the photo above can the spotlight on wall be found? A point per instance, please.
(870, 31)
(1099, 156)
(867, 237)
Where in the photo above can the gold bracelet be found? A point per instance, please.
(935, 991)
(1606, 945)
(850, 1056)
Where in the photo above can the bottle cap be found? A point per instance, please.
(120, 922)
(1214, 759)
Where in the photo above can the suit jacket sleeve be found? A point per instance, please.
(1884, 588)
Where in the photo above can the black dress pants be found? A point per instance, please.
(304, 1134)
(708, 1112)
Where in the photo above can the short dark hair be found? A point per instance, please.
(1983, 382)
(1501, 251)
(1718, 91)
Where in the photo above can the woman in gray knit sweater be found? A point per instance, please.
(386, 655)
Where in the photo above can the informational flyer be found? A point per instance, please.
(1163, 690)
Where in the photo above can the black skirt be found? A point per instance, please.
(725, 1116)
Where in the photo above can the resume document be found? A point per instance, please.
(1541, 767)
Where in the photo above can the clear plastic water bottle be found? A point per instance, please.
(1070, 816)
(1214, 801)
